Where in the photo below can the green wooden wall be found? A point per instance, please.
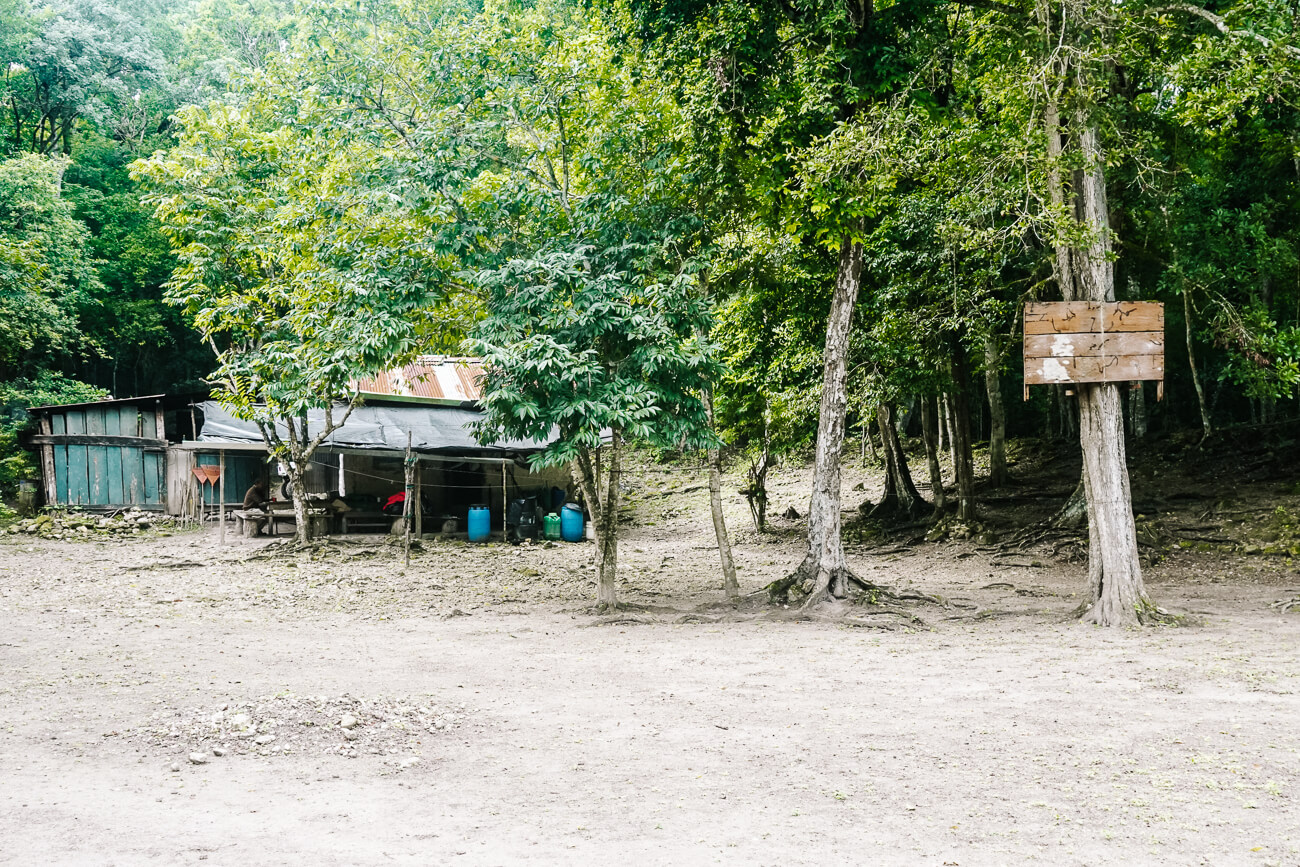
(107, 476)
(242, 469)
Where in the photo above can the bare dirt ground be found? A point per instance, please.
(489, 718)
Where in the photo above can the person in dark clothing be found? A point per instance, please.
(255, 503)
(255, 497)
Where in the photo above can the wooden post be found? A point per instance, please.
(419, 506)
(47, 464)
(221, 497)
(406, 505)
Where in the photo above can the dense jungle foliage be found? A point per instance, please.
(319, 186)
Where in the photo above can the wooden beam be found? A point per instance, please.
(47, 466)
(99, 440)
(1076, 317)
(221, 505)
(1115, 368)
(1081, 345)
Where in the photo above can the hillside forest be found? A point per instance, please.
(746, 230)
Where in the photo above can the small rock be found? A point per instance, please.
(218, 751)
(198, 759)
(348, 721)
(263, 740)
(176, 766)
(349, 734)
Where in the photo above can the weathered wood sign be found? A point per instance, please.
(1094, 341)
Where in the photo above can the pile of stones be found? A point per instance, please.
(80, 525)
(395, 730)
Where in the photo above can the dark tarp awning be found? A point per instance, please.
(434, 430)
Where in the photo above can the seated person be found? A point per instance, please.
(255, 503)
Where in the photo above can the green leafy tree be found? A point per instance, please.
(45, 388)
(83, 61)
(301, 277)
(46, 273)
(601, 345)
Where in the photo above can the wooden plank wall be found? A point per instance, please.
(107, 476)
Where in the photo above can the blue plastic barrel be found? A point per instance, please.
(571, 522)
(480, 523)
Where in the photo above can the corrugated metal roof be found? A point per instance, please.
(430, 377)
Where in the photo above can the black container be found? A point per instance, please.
(523, 520)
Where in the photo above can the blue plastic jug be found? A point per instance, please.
(571, 522)
(480, 523)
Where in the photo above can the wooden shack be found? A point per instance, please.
(109, 454)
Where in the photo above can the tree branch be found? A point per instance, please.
(993, 6)
(1222, 26)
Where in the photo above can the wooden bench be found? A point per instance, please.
(246, 523)
(360, 521)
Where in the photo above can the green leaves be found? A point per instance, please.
(301, 273)
(46, 273)
(587, 340)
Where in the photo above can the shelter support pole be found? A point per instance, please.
(406, 504)
(419, 504)
(504, 504)
(221, 500)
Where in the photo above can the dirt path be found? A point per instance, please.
(1000, 732)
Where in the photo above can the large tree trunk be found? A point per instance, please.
(1118, 596)
(729, 584)
(930, 429)
(825, 567)
(997, 413)
(298, 487)
(901, 499)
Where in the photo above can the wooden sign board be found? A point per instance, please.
(1094, 341)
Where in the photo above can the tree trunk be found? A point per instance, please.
(825, 567)
(1118, 596)
(941, 405)
(1191, 363)
(298, 487)
(950, 418)
(901, 499)
(930, 430)
(1116, 590)
(729, 584)
(756, 491)
(868, 442)
(997, 413)
(1137, 410)
(603, 505)
(963, 464)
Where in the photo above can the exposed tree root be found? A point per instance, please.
(1145, 613)
(896, 509)
(858, 591)
(1286, 605)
